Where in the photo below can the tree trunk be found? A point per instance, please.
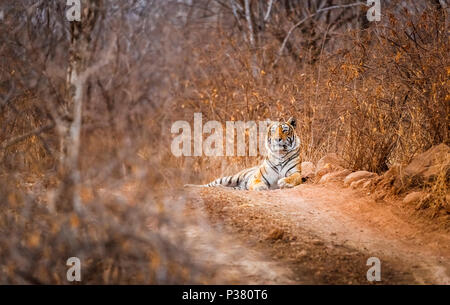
(251, 39)
(70, 122)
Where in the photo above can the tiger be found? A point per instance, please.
(280, 169)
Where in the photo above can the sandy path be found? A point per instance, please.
(325, 234)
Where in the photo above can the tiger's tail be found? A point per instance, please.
(237, 181)
(228, 181)
(194, 185)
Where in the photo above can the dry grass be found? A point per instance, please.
(379, 100)
(378, 96)
(438, 195)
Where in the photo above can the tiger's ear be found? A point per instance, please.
(292, 121)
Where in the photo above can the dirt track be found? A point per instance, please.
(324, 234)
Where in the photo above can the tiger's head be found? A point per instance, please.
(281, 137)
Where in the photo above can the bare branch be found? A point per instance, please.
(37, 131)
(283, 45)
(269, 9)
(4, 100)
(248, 17)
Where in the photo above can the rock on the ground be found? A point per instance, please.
(335, 176)
(423, 168)
(359, 175)
(413, 198)
(367, 184)
(389, 179)
(358, 183)
(308, 169)
(428, 165)
(329, 163)
(424, 202)
(330, 158)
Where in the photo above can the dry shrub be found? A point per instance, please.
(438, 198)
(33, 155)
(117, 243)
(377, 97)
(399, 75)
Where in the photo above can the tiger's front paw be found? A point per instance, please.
(258, 187)
(284, 184)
